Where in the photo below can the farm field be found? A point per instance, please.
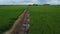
(45, 19)
(8, 14)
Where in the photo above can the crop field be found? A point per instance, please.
(45, 19)
(8, 14)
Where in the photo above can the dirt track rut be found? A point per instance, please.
(21, 25)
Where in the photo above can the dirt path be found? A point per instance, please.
(21, 25)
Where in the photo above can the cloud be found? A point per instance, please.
(53, 2)
(2, 2)
(15, 2)
(49, 1)
(35, 1)
(42, 1)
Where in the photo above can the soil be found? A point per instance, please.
(21, 25)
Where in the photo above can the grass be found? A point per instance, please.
(8, 15)
(45, 19)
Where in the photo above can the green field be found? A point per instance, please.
(45, 20)
(8, 14)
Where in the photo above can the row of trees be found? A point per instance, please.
(39, 4)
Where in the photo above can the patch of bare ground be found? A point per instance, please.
(21, 25)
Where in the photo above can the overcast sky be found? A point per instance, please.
(8, 2)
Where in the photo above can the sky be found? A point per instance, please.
(19, 2)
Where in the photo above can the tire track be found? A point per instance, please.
(21, 25)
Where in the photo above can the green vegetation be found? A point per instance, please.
(45, 19)
(8, 15)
